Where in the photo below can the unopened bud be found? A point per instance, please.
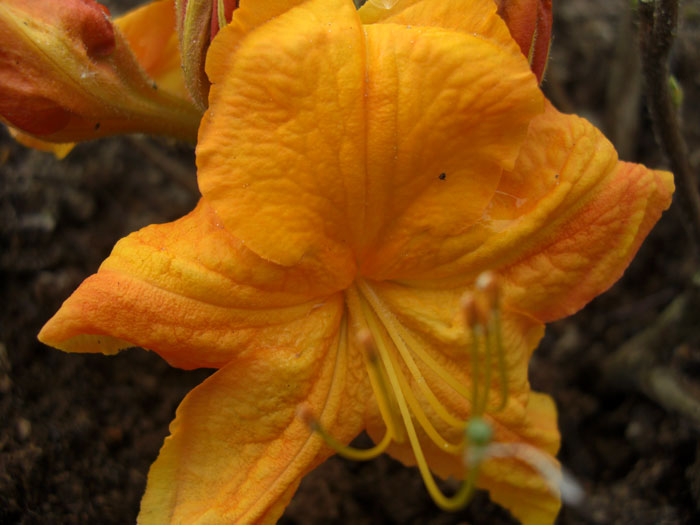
(198, 23)
(68, 74)
(530, 25)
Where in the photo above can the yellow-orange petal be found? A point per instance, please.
(446, 112)
(566, 221)
(249, 15)
(513, 483)
(194, 294)
(150, 33)
(347, 138)
(281, 148)
(237, 451)
(60, 150)
(475, 17)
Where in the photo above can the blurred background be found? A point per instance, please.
(78, 432)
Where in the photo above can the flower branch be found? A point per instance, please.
(658, 20)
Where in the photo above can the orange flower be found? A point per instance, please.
(68, 73)
(359, 171)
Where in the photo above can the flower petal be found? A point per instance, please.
(430, 323)
(348, 144)
(447, 111)
(237, 451)
(281, 148)
(150, 32)
(475, 17)
(566, 222)
(194, 294)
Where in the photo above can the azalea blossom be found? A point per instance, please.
(359, 171)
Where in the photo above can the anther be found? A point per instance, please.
(472, 312)
(487, 284)
(364, 337)
(307, 417)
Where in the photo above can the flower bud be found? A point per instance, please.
(198, 22)
(67, 74)
(530, 25)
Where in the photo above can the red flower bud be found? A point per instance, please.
(198, 23)
(67, 74)
(530, 25)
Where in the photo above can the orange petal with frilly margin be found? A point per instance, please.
(432, 319)
(447, 111)
(194, 294)
(348, 144)
(237, 451)
(475, 17)
(249, 15)
(566, 222)
(281, 149)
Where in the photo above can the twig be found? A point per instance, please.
(635, 365)
(623, 93)
(183, 175)
(658, 20)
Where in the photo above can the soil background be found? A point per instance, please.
(78, 432)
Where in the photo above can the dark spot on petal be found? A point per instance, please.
(97, 126)
(442, 176)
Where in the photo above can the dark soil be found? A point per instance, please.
(79, 432)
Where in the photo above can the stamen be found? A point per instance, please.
(400, 338)
(419, 414)
(304, 413)
(501, 355)
(488, 284)
(466, 489)
(378, 381)
(473, 319)
(486, 323)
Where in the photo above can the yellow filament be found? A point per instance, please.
(502, 366)
(476, 373)
(466, 489)
(419, 413)
(398, 337)
(481, 405)
(356, 454)
(377, 379)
